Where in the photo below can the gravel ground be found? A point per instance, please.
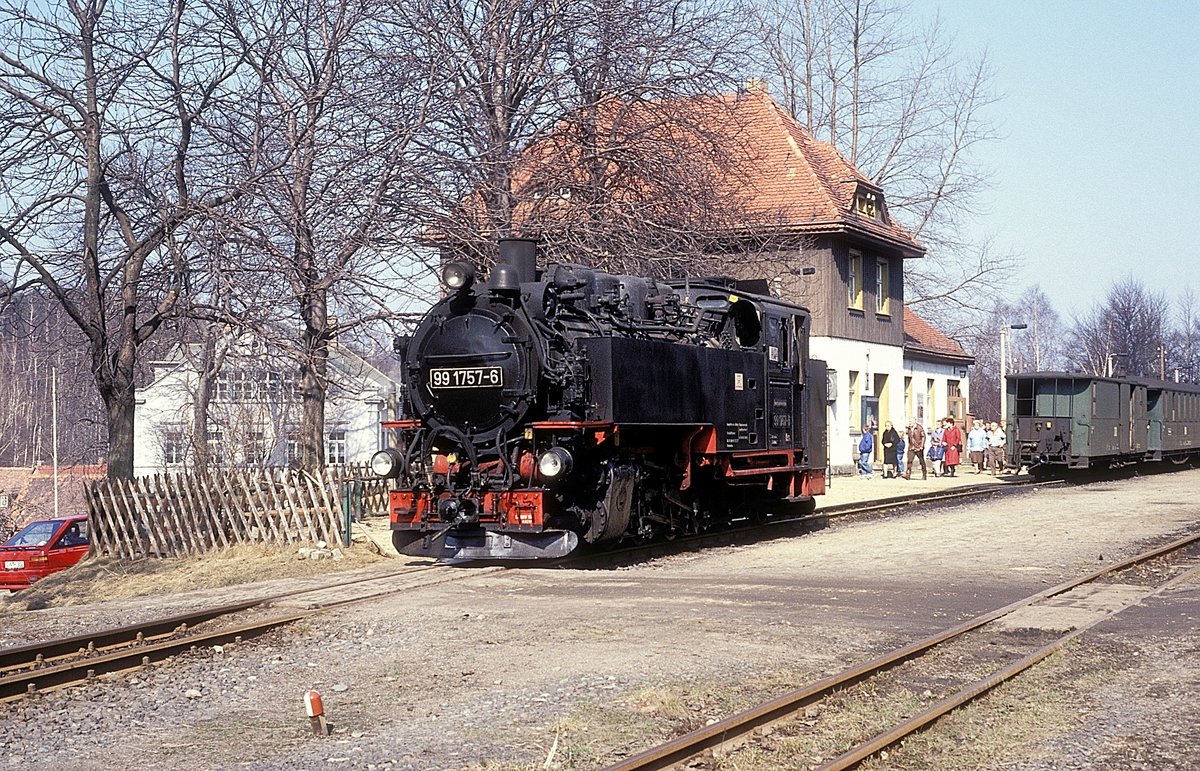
(569, 669)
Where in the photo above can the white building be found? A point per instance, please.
(254, 412)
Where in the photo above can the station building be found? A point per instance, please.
(806, 221)
(885, 362)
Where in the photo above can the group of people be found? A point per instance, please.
(945, 451)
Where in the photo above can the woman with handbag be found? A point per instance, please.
(891, 450)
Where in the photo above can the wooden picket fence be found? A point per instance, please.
(171, 515)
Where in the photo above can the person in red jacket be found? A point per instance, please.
(954, 439)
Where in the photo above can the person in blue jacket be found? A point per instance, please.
(866, 446)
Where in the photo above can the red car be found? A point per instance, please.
(41, 548)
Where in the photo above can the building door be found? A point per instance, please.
(883, 410)
(956, 405)
(870, 416)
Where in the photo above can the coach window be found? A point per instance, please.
(800, 348)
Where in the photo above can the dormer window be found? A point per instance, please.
(868, 203)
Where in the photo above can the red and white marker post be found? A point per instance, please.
(316, 713)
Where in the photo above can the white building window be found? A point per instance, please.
(854, 401)
(293, 448)
(174, 447)
(335, 452)
(254, 448)
(216, 448)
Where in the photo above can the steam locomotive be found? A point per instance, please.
(552, 409)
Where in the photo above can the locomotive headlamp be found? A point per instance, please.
(386, 463)
(458, 276)
(554, 464)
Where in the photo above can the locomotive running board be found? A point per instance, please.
(484, 545)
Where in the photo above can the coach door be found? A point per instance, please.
(1137, 419)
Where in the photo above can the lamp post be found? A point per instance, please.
(1004, 369)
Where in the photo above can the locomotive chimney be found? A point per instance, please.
(521, 253)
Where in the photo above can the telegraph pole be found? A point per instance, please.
(54, 431)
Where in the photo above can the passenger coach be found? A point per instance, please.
(1076, 421)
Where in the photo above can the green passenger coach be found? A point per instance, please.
(1071, 420)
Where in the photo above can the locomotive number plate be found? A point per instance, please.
(466, 377)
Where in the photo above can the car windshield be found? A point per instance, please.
(34, 534)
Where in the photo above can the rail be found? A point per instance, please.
(736, 727)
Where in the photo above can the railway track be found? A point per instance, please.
(58, 663)
(65, 661)
(740, 728)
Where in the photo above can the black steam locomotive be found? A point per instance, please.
(568, 406)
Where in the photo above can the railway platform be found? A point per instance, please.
(847, 489)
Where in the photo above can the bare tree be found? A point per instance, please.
(1184, 341)
(583, 122)
(1038, 346)
(1126, 331)
(105, 160)
(37, 343)
(908, 110)
(339, 100)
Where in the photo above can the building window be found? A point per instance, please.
(385, 434)
(174, 447)
(883, 303)
(216, 448)
(854, 281)
(336, 449)
(279, 386)
(855, 425)
(293, 448)
(929, 412)
(221, 393)
(242, 386)
(254, 448)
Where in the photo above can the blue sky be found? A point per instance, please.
(1097, 168)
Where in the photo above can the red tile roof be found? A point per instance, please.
(783, 178)
(800, 182)
(32, 490)
(920, 337)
